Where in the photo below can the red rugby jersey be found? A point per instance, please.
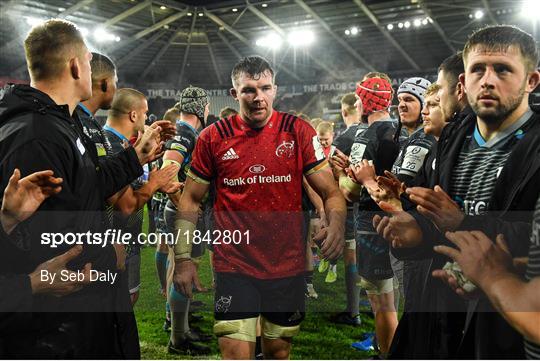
(258, 178)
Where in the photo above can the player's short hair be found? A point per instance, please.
(125, 101)
(227, 112)
(452, 67)
(102, 67)
(48, 47)
(432, 89)
(255, 66)
(325, 127)
(500, 38)
(348, 100)
(171, 115)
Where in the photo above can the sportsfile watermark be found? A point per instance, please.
(118, 236)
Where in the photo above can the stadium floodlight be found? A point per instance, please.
(478, 14)
(162, 7)
(33, 21)
(400, 25)
(347, 32)
(84, 31)
(407, 24)
(354, 30)
(390, 26)
(189, 14)
(417, 22)
(201, 14)
(530, 9)
(272, 41)
(117, 38)
(425, 22)
(264, 5)
(234, 10)
(101, 35)
(301, 38)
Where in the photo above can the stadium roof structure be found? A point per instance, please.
(198, 41)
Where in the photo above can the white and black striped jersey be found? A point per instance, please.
(412, 154)
(532, 350)
(479, 165)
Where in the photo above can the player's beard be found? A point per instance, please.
(497, 114)
(258, 120)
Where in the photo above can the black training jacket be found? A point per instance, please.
(486, 334)
(37, 134)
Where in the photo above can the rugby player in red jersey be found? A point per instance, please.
(257, 160)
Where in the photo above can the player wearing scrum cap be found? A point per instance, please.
(193, 107)
(377, 145)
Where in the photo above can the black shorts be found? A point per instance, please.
(280, 301)
(372, 257)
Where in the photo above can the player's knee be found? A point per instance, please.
(278, 353)
(242, 330)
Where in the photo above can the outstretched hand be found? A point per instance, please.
(22, 197)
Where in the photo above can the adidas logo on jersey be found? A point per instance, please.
(230, 154)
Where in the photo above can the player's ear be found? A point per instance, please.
(234, 93)
(74, 67)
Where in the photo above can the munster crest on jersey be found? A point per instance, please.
(285, 149)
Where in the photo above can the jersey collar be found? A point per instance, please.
(115, 132)
(86, 110)
(505, 133)
(178, 121)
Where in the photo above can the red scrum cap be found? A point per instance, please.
(375, 93)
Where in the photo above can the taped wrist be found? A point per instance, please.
(166, 162)
(349, 185)
(184, 231)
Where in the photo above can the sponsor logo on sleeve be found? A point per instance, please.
(178, 147)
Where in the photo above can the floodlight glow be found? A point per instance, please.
(407, 24)
(389, 26)
(425, 22)
(400, 25)
(347, 32)
(478, 14)
(531, 9)
(84, 31)
(201, 14)
(272, 41)
(264, 5)
(354, 30)
(117, 38)
(234, 10)
(163, 7)
(101, 35)
(430, 20)
(189, 14)
(417, 22)
(301, 38)
(33, 21)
